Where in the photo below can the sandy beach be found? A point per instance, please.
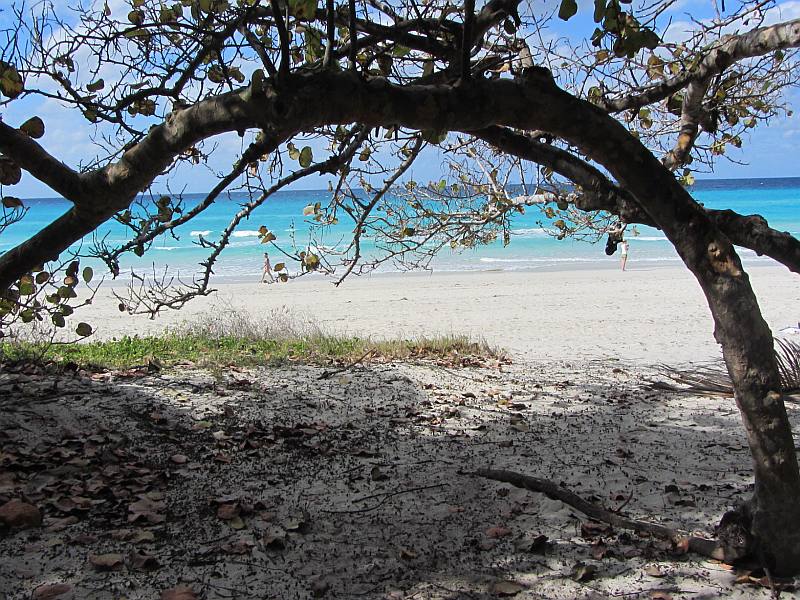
(645, 315)
(292, 481)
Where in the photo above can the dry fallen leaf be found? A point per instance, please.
(660, 595)
(498, 532)
(654, 571)
(377, 475)
(582, 572)
(143, 562)
(506, 588)
(179, 459)
(148, 509)
(242, 545)
(226, 512)
(20, 515)
(274, 538)
(599, 550)
(590, 529)
(299, 522)
(537, 545)
(61, 524)
(53, 591)
(181, 592)
(106, 562)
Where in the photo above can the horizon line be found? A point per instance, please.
(697, 180)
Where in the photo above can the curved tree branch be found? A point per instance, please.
(600, 193)
(717, 58)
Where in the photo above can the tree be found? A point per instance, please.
(376, 79)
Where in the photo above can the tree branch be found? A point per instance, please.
(600, 193)
(702, 546)
(283, 68)
(466, 38)
(717, 58)
(691, 115)
(34, 159)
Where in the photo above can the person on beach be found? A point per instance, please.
(623, 253)
(267, 270)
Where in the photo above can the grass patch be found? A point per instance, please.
(235, 340)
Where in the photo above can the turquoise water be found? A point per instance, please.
(531, 248)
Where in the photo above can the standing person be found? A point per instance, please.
(267, 270)
(623, 253)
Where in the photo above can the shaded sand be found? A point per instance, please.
(274, 483)
(646, 315)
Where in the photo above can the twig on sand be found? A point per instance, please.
(347, 367)
(695, 544)
(387, 495)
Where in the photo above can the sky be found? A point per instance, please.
(770, 151)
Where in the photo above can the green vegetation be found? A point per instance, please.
(244, 343)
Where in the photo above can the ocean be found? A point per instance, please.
(530, 247)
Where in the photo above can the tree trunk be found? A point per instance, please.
(773, 513)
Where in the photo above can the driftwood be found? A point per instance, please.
(733, 543)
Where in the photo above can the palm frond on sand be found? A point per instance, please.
(713, 379)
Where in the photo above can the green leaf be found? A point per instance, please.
(96, 86)
(311, 261)
(136, 17)
(26, 286)
(12, 202)
(88, 273)
(10, 173)
(83, 329)
(58, 320)
(33, 127)
(236, 74)
(215, 74)
(313, 45)
(599, 10)
(306, 157)
(91, 115)
(11, 83)
(434, 137)
(303, 10)
(567, 10)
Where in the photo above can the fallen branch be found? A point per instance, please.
(698, 545)
(347, 367)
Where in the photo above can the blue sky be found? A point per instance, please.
(771, 150)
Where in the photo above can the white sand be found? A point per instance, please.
(644, 315)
